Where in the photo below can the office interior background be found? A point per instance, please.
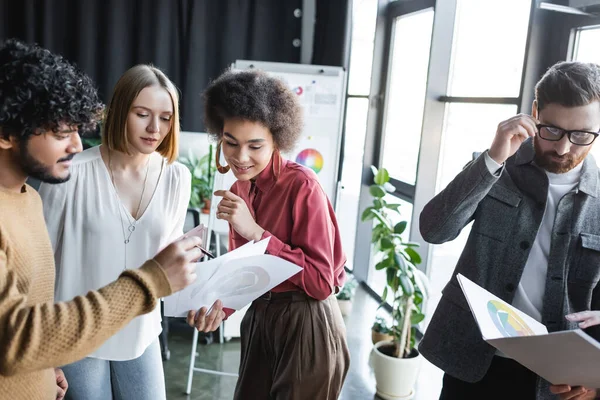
(425, 84)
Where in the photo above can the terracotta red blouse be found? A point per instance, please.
(297, 215)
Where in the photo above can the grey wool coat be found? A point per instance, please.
(506, 211)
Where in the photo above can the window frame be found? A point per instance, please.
(434, 115)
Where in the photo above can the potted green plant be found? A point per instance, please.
(345, 296)
(203, 175)
(380, 331)
(396, 362)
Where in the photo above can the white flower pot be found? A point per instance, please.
(345, 306)
(395, 377)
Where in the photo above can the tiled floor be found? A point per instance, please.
(359, 385)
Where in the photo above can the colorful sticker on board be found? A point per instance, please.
(298, 90)
(508, 322)
(310, 158)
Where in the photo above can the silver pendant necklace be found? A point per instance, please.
(122, 209)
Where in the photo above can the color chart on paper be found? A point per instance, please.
(310, 158)
(320, 90)
(508, 322)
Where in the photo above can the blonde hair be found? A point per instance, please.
(129, 86)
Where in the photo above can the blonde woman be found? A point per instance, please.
(126, 200)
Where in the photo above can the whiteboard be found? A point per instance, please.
(322, 94)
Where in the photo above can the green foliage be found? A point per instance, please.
(203, 176)
(405, 288)
(93, 137)
(91, 142)
(349, 288)
(381, 326)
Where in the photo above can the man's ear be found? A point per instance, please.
(534, 109)
(7, 142)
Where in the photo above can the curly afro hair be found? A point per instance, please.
(254, 96)
(41, 90)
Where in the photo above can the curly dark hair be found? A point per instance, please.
(41, 90)
(254, 96)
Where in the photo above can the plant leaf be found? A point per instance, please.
(395, 207)
(377, 191)
(400, 262)
(382, 177)
(386, 243)
(384, 295)
(367, 214)
(391, 278)
(381, 265)
(376, 236)
(407, 285)
(415, 318)
(192, 157)
(415, 258)
(418, 299)
(400, 227)
(381, 218)
(194, 200)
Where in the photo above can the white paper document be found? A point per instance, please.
(567, 357)
(236, 278)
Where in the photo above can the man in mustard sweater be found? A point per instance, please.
(44, 102)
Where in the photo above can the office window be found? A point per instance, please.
(489, 47)
(586, 49)
(468, 128)
(402, 121)
(406, 94)
(364, 16)
(483, 90)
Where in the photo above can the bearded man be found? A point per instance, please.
(534, 200)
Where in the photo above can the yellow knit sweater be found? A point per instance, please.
(36, 334)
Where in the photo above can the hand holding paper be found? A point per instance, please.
(199, 231)
(585, 318)
(566, 392)
(207, 320)
(236, 278)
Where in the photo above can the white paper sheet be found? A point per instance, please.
(495, 317)
(566, 357)
(236, 278)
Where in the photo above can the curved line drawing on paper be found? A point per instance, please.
(508, 322)
(249, 280)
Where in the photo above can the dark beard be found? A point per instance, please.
(37, 170)
(544, 160)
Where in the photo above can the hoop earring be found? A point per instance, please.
(276, 166)
(220, 168)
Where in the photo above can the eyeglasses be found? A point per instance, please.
(554, 134)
